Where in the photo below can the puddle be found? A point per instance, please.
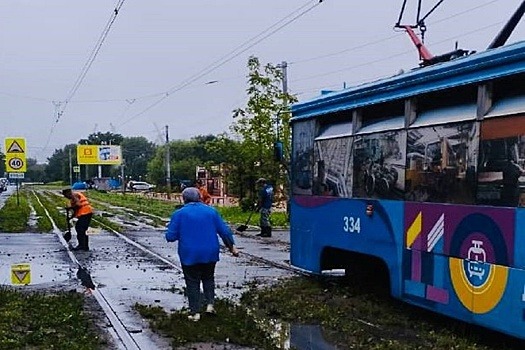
(308, 337)
(287, 336)
(40, 263)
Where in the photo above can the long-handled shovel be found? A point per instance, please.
(67, 234)
(243, 227)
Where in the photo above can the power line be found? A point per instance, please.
(395, 55)
(379, 41)
(60, 107)
(91, 58)
(233, 54)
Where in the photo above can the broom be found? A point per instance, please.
(67, 235)
(243, 227)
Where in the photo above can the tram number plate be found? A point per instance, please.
(351, 224)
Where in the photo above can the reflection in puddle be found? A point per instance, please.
(295, 336)
(306, 337)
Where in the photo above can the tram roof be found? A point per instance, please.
(475, 68)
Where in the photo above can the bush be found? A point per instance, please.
(247, 204)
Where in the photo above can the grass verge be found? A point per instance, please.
(14, 215)
(350, 317)
(40, 321)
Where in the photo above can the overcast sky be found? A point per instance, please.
(157, 46)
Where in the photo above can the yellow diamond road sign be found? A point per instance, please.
(20, 274)
(15, 155)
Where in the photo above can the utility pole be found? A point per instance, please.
(122, 178)
(70, 169)
(168, 171)
(284, 69)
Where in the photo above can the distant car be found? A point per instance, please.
(3, 184)
(141, 186)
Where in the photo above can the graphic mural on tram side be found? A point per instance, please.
(501, 174)
(459, 257)
(379, 165)
(441, 163)
(333, 167)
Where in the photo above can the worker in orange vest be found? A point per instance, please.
(205, 196)
(83, 211)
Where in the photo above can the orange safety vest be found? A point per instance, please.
(83, 207)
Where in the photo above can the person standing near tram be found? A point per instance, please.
(264, 206)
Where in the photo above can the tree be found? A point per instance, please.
(185, 156)
(136, 153)
(2, 164)
(100, 138)
(35, 172)
(263, 122)
(58, 166)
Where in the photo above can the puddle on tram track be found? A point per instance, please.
(33, 259)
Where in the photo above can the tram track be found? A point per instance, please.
(152, 250)
(121, 335)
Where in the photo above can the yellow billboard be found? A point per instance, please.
(99, 155)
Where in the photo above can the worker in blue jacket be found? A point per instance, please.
(195, 226)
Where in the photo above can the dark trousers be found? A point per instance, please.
(81, 227)
(194, 275)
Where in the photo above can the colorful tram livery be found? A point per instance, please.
(423, 172)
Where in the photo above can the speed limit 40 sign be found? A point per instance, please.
(16, 164)
(15, 155)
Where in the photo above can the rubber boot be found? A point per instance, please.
(86, 243)
(266, 231)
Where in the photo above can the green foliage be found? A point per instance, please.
(137, 152)
(260, 124)
(43, 222)
(40, 321)
(232, 324)
(57, 168)
(14, 217)
(247, 203)
(55, 204)
(350, 314)
(185, 156)
(2, 163)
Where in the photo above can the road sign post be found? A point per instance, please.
(15, 155)
(15, 159)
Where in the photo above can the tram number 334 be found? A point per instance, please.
(351, 224)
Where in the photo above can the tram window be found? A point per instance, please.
(445, 115)
(332, 167)
(302, 158)
(501, 175)
(441, 163)
(379, 165)
(507, 106)
(340, 129)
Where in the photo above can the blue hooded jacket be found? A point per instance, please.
(196, 226)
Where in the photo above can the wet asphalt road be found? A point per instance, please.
(127, 275)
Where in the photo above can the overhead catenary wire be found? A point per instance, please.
(390, 37)
(91, 58)
(61, 106)
(394, 55)
(274, 28)
(291, 62)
